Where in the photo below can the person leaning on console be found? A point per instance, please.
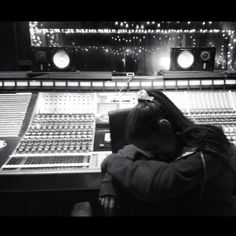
(172, 166)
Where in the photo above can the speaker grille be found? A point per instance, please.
(192, 59)
(185, 59)
(205, 55)
(61, 59)
(53, 59)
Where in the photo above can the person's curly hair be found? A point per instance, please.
(142, 120)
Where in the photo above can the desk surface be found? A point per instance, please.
(107, 75)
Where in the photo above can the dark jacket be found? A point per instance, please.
(148, 187)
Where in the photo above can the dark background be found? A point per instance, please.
(14, 45)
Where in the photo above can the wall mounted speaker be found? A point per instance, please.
(51, 59)
(192, 59)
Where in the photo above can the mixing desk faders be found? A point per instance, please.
(59, 133)
(56, 140)
(226, 119)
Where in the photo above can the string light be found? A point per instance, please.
(133, 33)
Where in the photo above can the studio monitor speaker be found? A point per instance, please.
(53, 59)
(192, 58)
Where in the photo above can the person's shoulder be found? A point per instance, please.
(114, 155)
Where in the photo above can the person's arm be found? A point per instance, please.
(107, 188)
(155, 180)
(133, 152)
(107, 195)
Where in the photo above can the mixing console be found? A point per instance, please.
(224, 119)
(55, 140)
(13, 108)
(89, 162)
(209, 107)
(61, 134)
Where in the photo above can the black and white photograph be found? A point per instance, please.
(118, 118)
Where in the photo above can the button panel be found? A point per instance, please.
(59, 133)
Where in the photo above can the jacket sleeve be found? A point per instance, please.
(155, 180)
(107, 188)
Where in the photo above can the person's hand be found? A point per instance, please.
(108, 205)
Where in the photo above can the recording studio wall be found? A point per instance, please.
(8, 46)
(14, 46)
(15, 50)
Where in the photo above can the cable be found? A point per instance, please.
(127, 84)
(205, 174)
